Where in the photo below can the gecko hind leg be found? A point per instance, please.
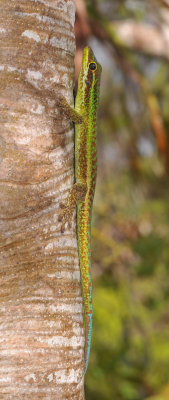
(77, 193)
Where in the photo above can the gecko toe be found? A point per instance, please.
(60, 217)
(70, 221)
(62, 205)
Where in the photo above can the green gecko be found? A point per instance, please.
(85, 117)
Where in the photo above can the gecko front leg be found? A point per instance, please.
(69, 111)
(77, 193)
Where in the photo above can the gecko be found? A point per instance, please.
(82, 193)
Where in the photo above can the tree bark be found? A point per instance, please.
(41, 324)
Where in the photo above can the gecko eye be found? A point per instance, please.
(93, 66)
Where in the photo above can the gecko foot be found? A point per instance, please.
(77, 193)
(65, 216)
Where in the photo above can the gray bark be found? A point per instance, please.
(41, 324)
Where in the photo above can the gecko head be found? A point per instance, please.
(90, 70)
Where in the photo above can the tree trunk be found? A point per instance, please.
(41, 337)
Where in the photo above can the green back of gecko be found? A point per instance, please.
(86, 105)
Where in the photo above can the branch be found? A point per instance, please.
(143, 37)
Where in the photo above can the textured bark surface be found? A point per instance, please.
(41, 325)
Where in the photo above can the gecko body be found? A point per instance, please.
(82, 193)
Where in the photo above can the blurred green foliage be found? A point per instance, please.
(130, 347)
(130, 237)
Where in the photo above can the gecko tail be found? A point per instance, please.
(88, 335)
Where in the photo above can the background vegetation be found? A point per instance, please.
(130, 236)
